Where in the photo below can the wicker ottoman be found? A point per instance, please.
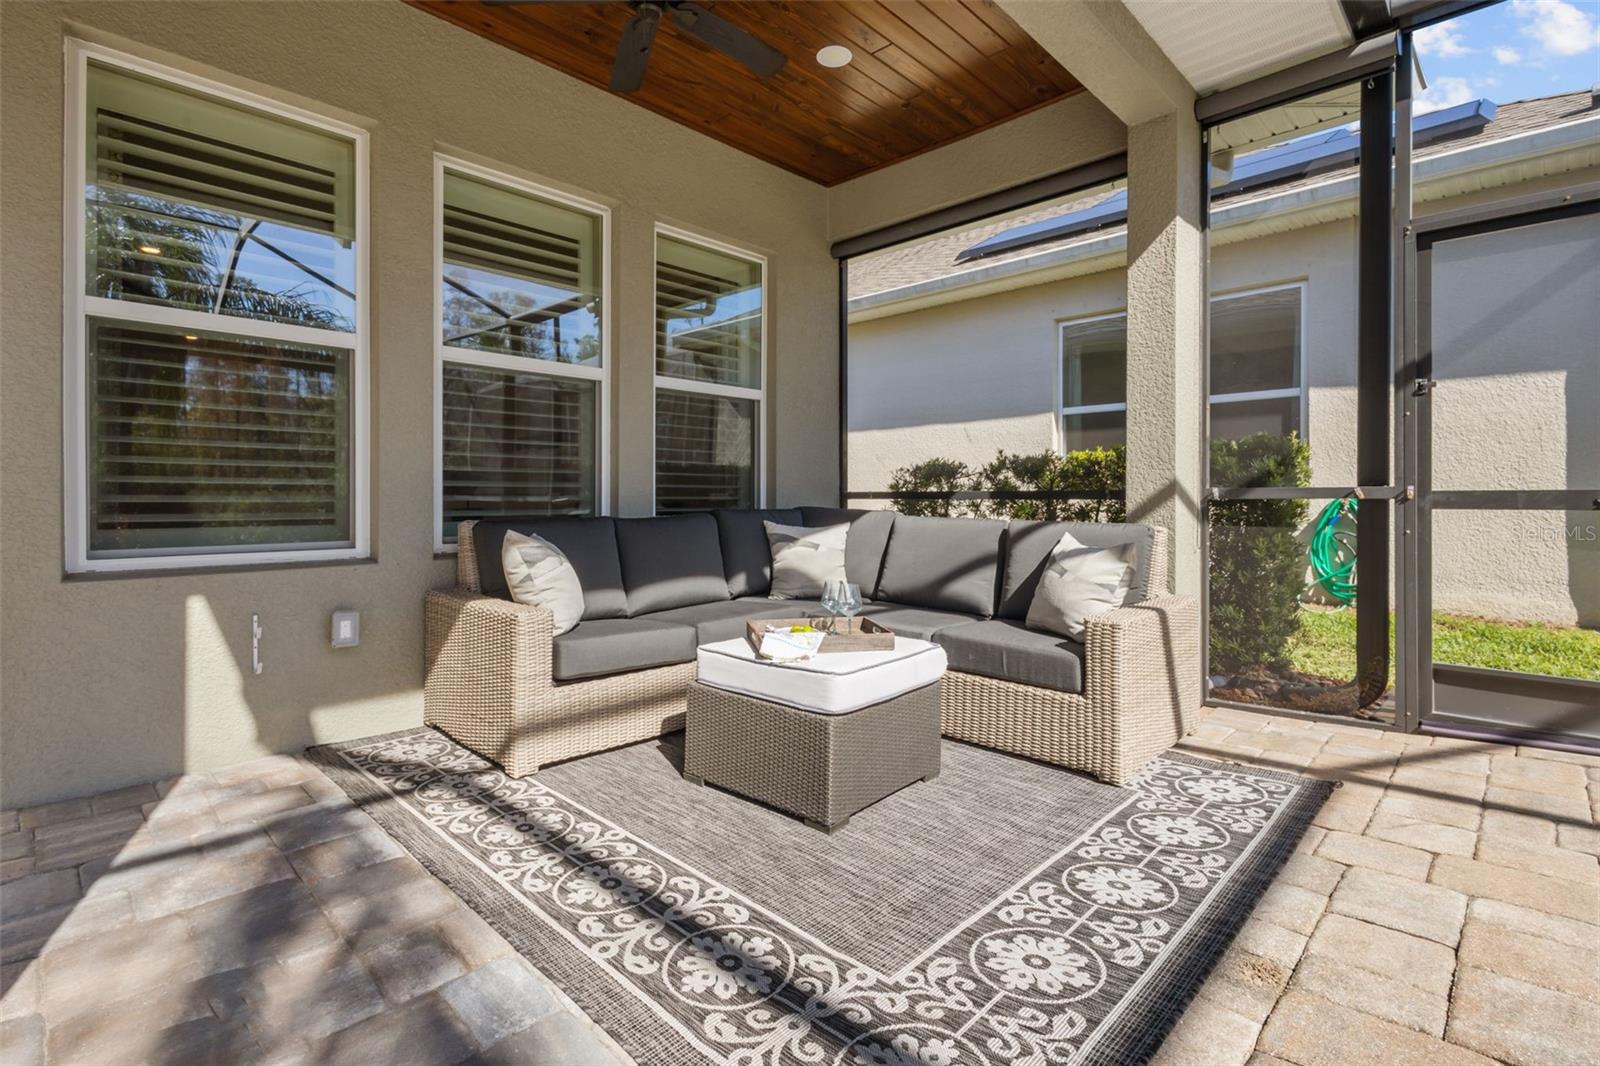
(821, 740)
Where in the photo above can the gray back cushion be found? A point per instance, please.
(670, 561)
(863, 551)
(590, 544)
(949, 564)
(1028, 546)
(746, 557)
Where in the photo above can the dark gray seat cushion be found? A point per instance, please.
(590, 544)
(726, 620)
(918, 622)
(1010, 651)
(670, 561)
(615, 645)
(863, 550)
(746, 556)
(1028, 547)
(947, 564)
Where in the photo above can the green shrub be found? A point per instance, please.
(932, 475)
(1257, 563)
(1092, 470)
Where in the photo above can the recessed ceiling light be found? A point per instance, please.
(190, 337)
(150, 249)
(834, 55)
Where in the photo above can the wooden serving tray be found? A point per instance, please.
(855, 634)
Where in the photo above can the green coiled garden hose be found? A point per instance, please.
(1333, 551)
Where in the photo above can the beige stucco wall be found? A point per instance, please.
(106, 681)
(962, 380)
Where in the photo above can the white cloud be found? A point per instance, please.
(1442, 40)
(1508, 56)
(1558, 26)
(1442, 93)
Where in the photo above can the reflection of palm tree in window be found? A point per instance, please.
(152, 250)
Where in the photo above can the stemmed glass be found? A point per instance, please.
(842, 599)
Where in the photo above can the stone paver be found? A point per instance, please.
(1432, 911)
(253, 914)
(1522, 1024)
(1456, 872)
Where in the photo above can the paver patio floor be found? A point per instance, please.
(1445, 907)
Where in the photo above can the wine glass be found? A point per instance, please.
(847, 601)
(832, 600)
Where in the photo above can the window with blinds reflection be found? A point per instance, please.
(200, 204)
(521, 350)
(219, 373)
(705, 452)
(203, 440)
(516, 444)
(710, 313)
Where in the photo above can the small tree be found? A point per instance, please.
(1257, 562)
(932, 475)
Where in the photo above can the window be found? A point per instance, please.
(1257, 359)
(216, 362)
(521, 349)
(710, 365)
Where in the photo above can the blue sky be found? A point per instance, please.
(1511, 51)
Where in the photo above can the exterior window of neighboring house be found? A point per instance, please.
(1257, 370)
(522, 350)
(216, 350)
(710, 371)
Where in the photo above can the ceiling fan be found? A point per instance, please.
(633, 52)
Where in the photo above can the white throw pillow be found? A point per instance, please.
(804, 558)
(1080, 582)
(539, 575)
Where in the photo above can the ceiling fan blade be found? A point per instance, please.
(716, 31)
(633, 53)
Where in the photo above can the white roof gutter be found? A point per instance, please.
(1308, 205)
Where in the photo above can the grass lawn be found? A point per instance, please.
(1327, 645)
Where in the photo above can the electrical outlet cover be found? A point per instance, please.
(346, 628)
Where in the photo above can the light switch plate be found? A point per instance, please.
(346, 628)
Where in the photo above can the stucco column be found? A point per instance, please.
(1166, 305)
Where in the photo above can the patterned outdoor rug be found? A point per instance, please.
(1008, 912)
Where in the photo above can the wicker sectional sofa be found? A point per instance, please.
(499, 682)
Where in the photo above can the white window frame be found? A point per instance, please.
(1302, 392)
(79, 307)
(668, 383)
(443, 353)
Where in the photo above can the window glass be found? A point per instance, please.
(705, 452)
(708, 314)
(202, 440)
(517, 444)
(198, 203)
(1255, 341)
(521, 274)
(1094, 356)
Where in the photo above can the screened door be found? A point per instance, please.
(1505, 405)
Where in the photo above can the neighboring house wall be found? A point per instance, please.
(109, 681)
(963, 380)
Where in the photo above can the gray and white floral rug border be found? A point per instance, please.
(1089, 959)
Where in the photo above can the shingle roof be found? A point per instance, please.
(935, 257)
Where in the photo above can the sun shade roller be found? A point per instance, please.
(159, 140)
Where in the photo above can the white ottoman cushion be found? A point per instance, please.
(833, 683)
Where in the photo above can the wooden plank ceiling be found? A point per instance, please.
(925, 73)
